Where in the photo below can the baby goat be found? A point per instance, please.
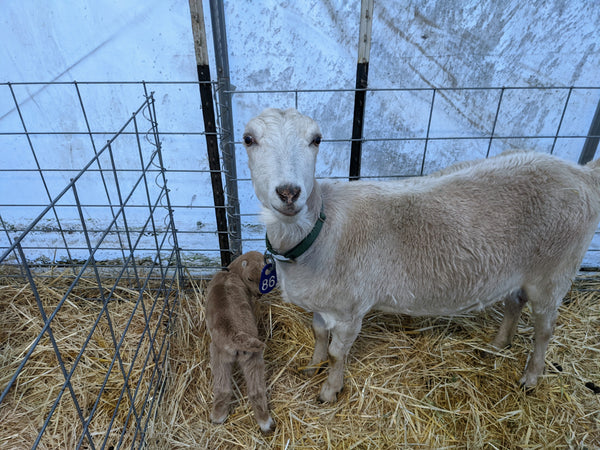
(232, 327)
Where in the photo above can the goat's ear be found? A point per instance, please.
(244, 263)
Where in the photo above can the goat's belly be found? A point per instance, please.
(299, 300)
(421, 310)
(355, 301)
(427, 306)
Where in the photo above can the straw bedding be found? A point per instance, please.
(410, 382)
(27, 405)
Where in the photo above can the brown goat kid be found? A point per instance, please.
(232, 327)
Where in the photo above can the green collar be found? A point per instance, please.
(298, 250)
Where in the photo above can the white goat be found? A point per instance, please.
(513, 227)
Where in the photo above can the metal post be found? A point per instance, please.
(362, 74)
(210, 127)
(217, 15)
(591, 142)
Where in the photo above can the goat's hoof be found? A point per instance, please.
(328, 396)
(529, 381)
(526, 386)
(218, 419)
(527, 390)
(308, 372)
(500, 345)
(267, 427)
(322, 399)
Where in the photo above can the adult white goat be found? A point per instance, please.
(513, 227)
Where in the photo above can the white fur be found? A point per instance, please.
(514, 227)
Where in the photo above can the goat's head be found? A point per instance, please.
(248, 267)
(282, 150)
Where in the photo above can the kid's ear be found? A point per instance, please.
(244, 263)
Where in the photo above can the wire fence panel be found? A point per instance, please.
(407, 132)
(48, 131)
(86, 326)
(414, 132)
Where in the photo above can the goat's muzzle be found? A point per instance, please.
(288, 193)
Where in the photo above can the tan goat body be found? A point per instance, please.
(234, 337)
(513, 227)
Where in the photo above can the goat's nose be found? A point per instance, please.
(288, 193)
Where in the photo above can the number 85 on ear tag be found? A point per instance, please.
(268, 278)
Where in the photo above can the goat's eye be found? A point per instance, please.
(316, 141)
(249, 140)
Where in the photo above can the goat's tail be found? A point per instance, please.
(246, 342)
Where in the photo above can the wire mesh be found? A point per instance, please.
(48, 131)
(407, 132)
(102, 302)
(412, 132)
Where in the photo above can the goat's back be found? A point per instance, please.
(229, 314)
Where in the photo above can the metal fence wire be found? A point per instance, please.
(96, 313)
(100, 215)
(434, 128)
(438, 127)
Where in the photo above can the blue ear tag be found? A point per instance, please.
(268, 277)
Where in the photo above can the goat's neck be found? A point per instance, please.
(285, 235)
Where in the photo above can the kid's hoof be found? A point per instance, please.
(268, 427)
(217, 418)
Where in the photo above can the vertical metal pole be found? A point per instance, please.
(210, 127)
(591, 142)
(217, 15)
(362, 74)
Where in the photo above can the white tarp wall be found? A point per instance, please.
(283, 45)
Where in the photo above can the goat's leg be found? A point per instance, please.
(221, 364)
(513, 305)
(253, 367)
(543, 327)
(544, 306)
(321, 343)
(343, 336)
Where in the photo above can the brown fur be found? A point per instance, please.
(232, 327)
